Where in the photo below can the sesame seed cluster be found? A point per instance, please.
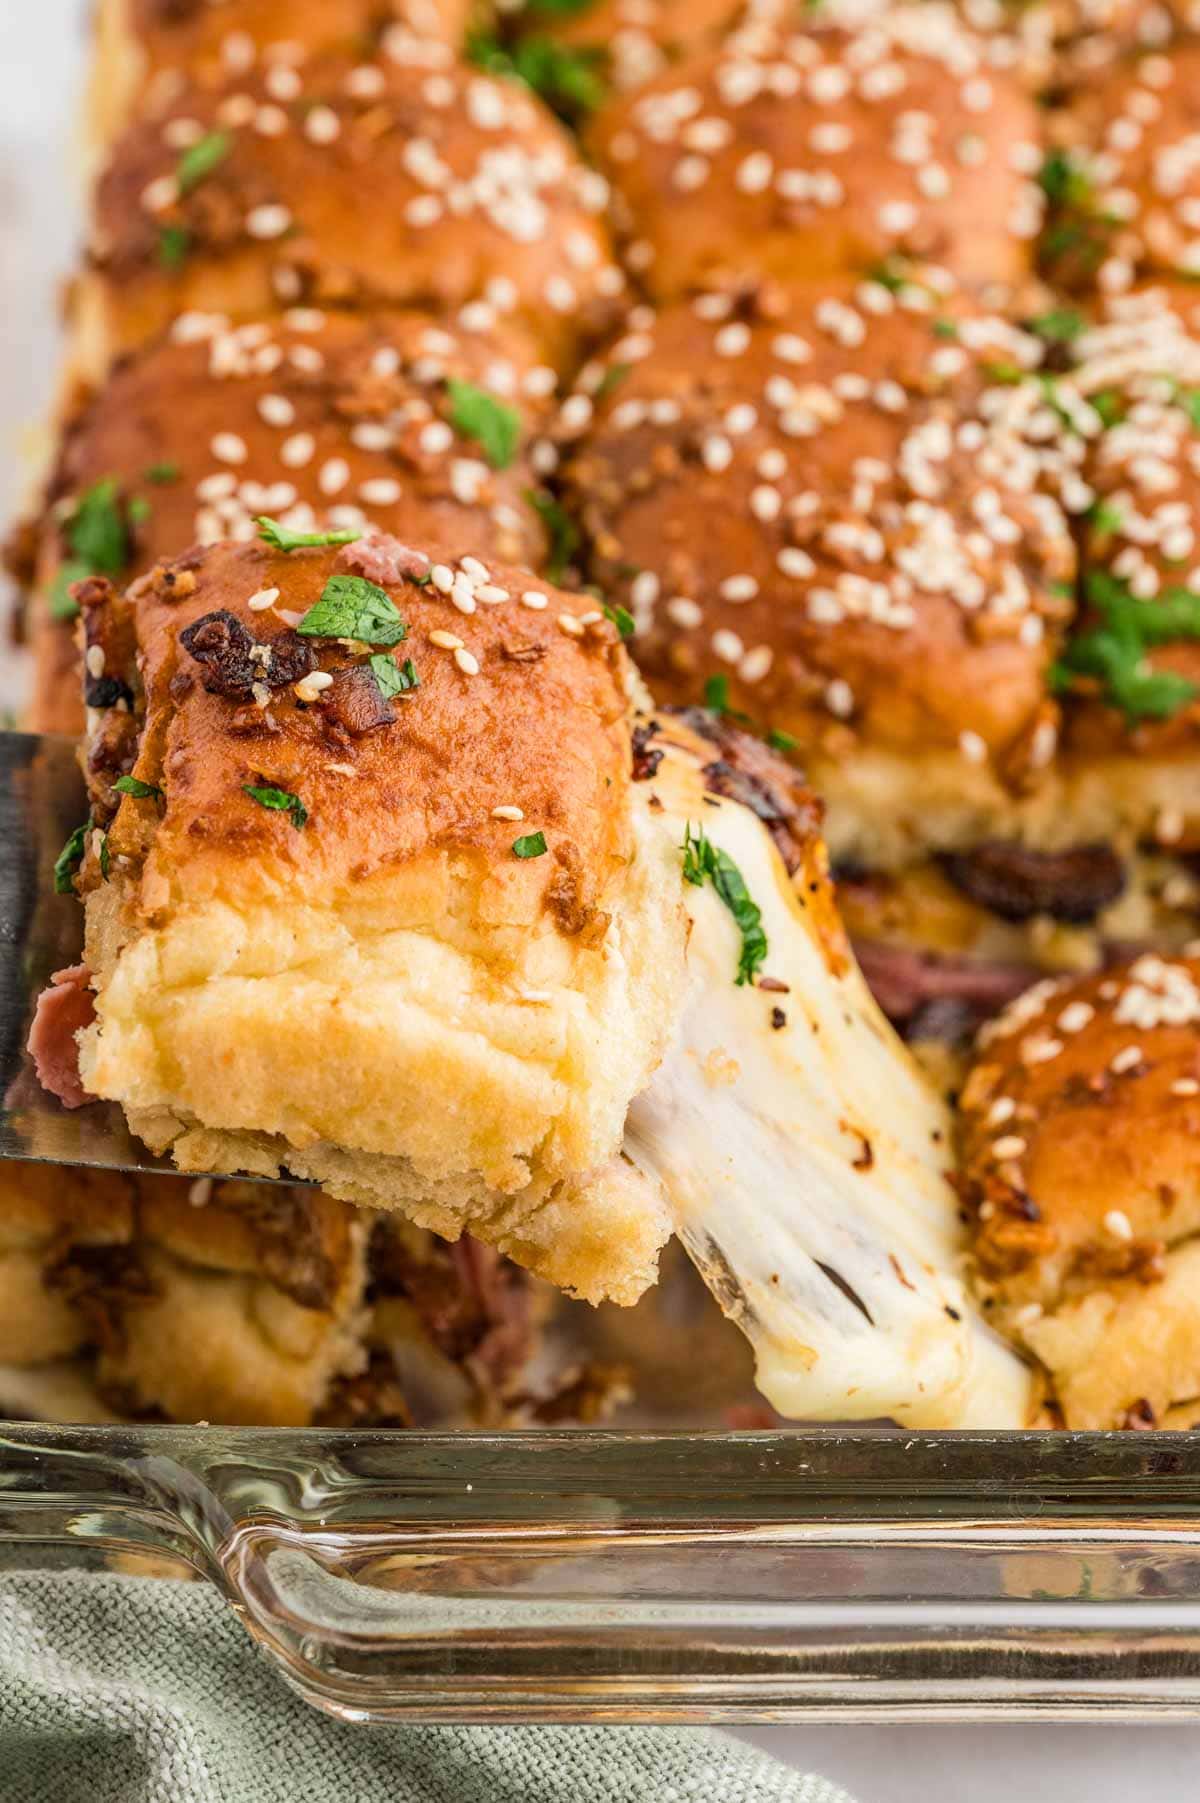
(1078, 1129)
(834, 502)
(267, 189)
(824, 149)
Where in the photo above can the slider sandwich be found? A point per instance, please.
(315, 417)
(368, 184)
(388, 886)
(146, 51)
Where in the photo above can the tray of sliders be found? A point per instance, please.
(600, 975)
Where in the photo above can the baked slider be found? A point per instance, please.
(312, 417)
(370, 184)
(829, 514)
(1080, 1143)
(1123, 181)
(367, 895)
(827, 150)
(1130, 676)
(145, 51)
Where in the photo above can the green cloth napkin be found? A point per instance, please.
(131, 1690)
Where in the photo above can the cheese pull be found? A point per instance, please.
(803, 1156)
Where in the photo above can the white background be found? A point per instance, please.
(41, 50)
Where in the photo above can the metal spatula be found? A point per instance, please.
(41, 803)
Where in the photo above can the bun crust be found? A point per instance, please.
(147, 49)
(796, 157)
(1080, 1142)
(828, 504)
(284, 208)
(314, 418)
(448, 895)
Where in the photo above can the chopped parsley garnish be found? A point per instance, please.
(139, 509)
(1105, 517)
(703, 860)
(282, 538)
(945, 328)
(1063, 181)
(133, 785)
(1108, 405)
(530, 845)
(889, 274)
(781, 741)
(561, 529)
(105, 861)
(612, 378)
(280, 801)
(1062, 325)
(162, 473)
(66, 865)
(570, 81)
(97, 537)
(353, 608)
(1114, 652)
(201, 158)
(561, 9)
(621, 618)
(174, 243)
(394, 679)
(479, 415)
(1008, 373)
(716, 697)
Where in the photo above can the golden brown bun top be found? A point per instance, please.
(827, 150)
(817, 500)
(520, 707)
(1080, 1125)
(1134, 206)
(372, 183)
(313, 418)
(222, 38)
(1141, 530)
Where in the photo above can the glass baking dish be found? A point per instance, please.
(580, 1575)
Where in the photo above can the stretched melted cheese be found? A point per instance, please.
(805, 1164)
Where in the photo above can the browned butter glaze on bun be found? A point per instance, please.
(1080, 1143)
(433, 954)
(313, 417)
(811, 152)
(374, 184)
(831, 505)
(147, 50)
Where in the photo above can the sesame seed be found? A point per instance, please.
(227, 447)
(309, 687)
(1117, 1222)
(1185, 1086)
(1127, 1059)
(268, 221)
(508, 812)
(160, 194)
(380, 491)
(1001, 1110)
(335, 474)
(535, 599)
(276, 410)
(765, 502)
(322, 125)
(264, 598)
(491, 593)
(570, 625)
(1011, 1145)
(973, 748)
(1075, 1017)
(298, 450)
(462, 595)
(95, 660)
(442, 577)
(445, 641)
(467, 663)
